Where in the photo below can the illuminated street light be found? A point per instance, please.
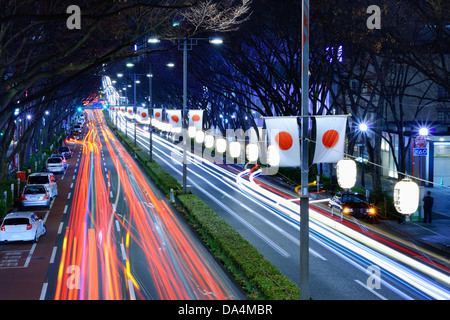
(423, 131)
(215, 40)
(363, 127)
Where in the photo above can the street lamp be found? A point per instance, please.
(185, 45)
(363, 127)
(423, 131)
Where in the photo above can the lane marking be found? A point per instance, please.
(371, 290)
(60, 227)
(124, 255)
(27, 262)
(131, 289)
(52, 258)
(43, 291)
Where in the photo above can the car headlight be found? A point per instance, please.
(371, 211)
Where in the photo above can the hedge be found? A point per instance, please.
(223, 239)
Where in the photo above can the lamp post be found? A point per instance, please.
(185, 45)
(304, 200)
(362, 128)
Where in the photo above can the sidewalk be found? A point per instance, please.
(435, 234)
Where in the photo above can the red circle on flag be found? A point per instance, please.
(195, 117)
(175, 118)
(143, 115)
(130, 111)
(157, 114)
(330, 138)
(284, 140)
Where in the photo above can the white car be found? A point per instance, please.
(22, 226)
(55, 165)
(45, 178)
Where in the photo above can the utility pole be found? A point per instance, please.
(304, 200)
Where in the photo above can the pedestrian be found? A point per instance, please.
(427, 207)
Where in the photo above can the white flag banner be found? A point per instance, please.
(157, 114)
(143, 112)
(174, 117)
(130, 111)
(330, 138)
(284, 141)
(196, 119)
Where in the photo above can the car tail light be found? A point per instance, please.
(2, 228)
(23, 197)
(29, 226)
(45, 197)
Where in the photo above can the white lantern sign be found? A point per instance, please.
(406, 196)
(346, 173)
(235, 149)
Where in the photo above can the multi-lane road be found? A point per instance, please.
(112, 235)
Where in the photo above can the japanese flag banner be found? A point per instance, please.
(284, 140)
(157, 114)
(174, 117)
(143, 112)
(196, 119)
(330, 138)
(130, 111)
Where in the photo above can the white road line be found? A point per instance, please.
(131, 289)
(45, 217)
(110, 194)
(61, 224)
(27, 262)
(117, 226)
(124, 255)
(52, 258)
(43, 291)
(68, 196)
(371, 290)
(65, 209)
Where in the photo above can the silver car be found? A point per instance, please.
(45, 178)
(35, 196)
(55, 165)
(22, 226)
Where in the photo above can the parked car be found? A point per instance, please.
(65, 151)
(45, 178)
(22, 226)
(76, 134)
(63, 158)
(55, 164)
(352, 203)
(36, 195)
(78, 128)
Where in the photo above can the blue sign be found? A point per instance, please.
(420, 151)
